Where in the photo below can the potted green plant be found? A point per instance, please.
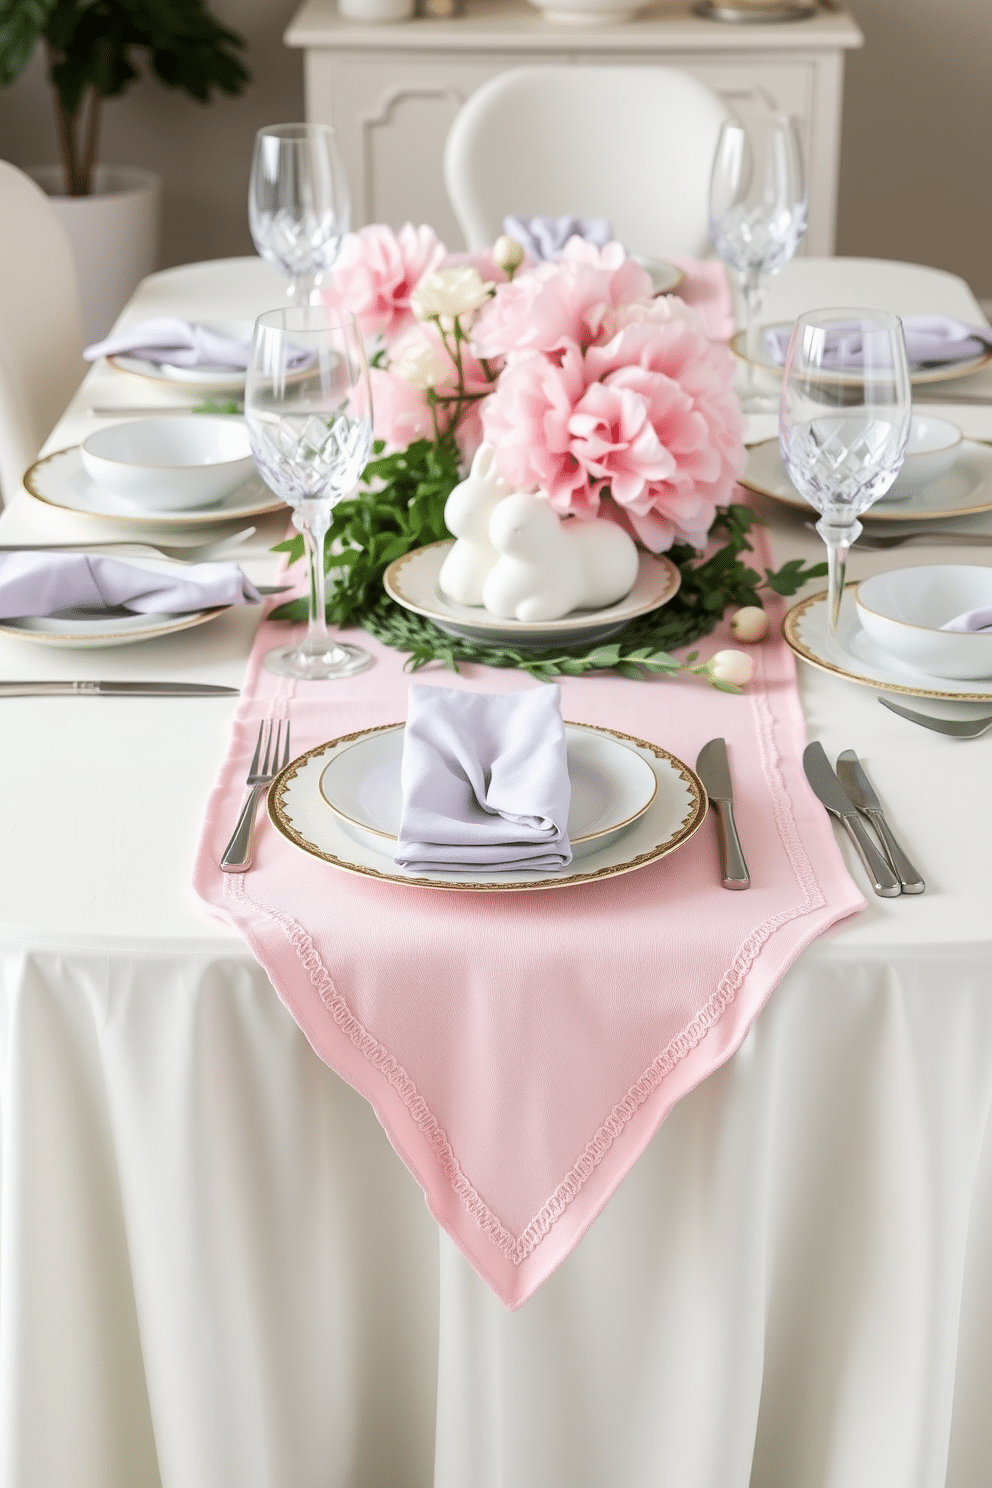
(95, 49)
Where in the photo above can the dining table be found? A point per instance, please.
(216, 1271)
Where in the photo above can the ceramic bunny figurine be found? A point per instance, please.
(467, 514)
(547, 567)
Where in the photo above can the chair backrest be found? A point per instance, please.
(632, 144)
(41, 336)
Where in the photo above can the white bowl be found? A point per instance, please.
(170, 463)
(932, 449)
(903, 610)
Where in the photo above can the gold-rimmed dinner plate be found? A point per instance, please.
(919, 374)
(204, 378)
(412, 581)
(665, 276)
(95, 630)
(962, 491)
(59, 480)
(300, 813)
(851, 653)
(611, 786)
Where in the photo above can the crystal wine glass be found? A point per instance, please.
(308, 408)
(298, 206)
(843, 422)
(757, 214)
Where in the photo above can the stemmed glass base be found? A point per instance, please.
(306, 665)
(838, 541)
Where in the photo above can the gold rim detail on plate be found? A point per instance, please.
(872, 513)
(698, 804)
(790, 630)
(94, 642)
(738, 345)
(195, 515)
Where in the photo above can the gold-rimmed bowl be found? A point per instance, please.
(904, 611)
(170, 463)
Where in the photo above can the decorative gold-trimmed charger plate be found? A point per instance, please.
(918, 374)
(962, 491)
(204, 378)
(852, 654)
(300, 813)
(59, 480)
(413, 582)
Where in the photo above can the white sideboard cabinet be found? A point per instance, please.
(391, 91)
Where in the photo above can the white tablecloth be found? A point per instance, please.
(214, 1270)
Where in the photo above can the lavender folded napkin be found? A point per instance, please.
(931, 340)
(485, 781)
(971, 620)
(545, 237)
(39, 583)
(177, 343)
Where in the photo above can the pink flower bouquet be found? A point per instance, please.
(607, 401)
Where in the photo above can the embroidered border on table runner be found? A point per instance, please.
(517, 1248)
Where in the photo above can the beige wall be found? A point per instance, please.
(916, 165)
(916, 178)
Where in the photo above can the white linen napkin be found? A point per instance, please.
(930, 340)
(545, 237)
(485, 781)
(40, 583)
(178, 343)
(971, 620)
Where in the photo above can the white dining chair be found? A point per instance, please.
(632, 144)
(41, 335)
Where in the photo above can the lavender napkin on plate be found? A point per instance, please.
(39, 583)
(177, 343)
(931, 340)
(545, 237)
(485, 781)
(971, 621)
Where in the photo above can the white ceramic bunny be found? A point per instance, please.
(547, 567)
(466, 514)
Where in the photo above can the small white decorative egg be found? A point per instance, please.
(749, 624)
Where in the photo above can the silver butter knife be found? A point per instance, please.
(713, 769)
(114, 689)
(851, 774)
(829, 790)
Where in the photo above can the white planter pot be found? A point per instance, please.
(114, 235)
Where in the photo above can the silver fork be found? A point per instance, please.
(184, 553)
(956, 728)
(262, 771)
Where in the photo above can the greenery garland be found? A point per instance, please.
(402, 507)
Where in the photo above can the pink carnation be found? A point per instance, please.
(527, 422)
(376, 272)
(557, 303)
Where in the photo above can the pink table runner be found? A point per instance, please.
(521, 1050)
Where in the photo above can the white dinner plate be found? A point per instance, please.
(78, 630)
(964, 490)
(60, 480)
(851, 653)
(299, 812)
(612, 785)
(764, 360)
(413, 582)
(205, 378)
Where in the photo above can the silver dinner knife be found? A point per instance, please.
(713, 769)
(828, 788)
(851, 774)
(114, 689)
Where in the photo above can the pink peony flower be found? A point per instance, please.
(400, 411)
(557, 303)
(527, 422)
(376, 272)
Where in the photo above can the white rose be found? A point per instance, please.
(422, 363)
(508, 254)
(749, 624)
(455, 292)
(731, 666)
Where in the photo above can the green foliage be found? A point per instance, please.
(93, 48)
(403, 508)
